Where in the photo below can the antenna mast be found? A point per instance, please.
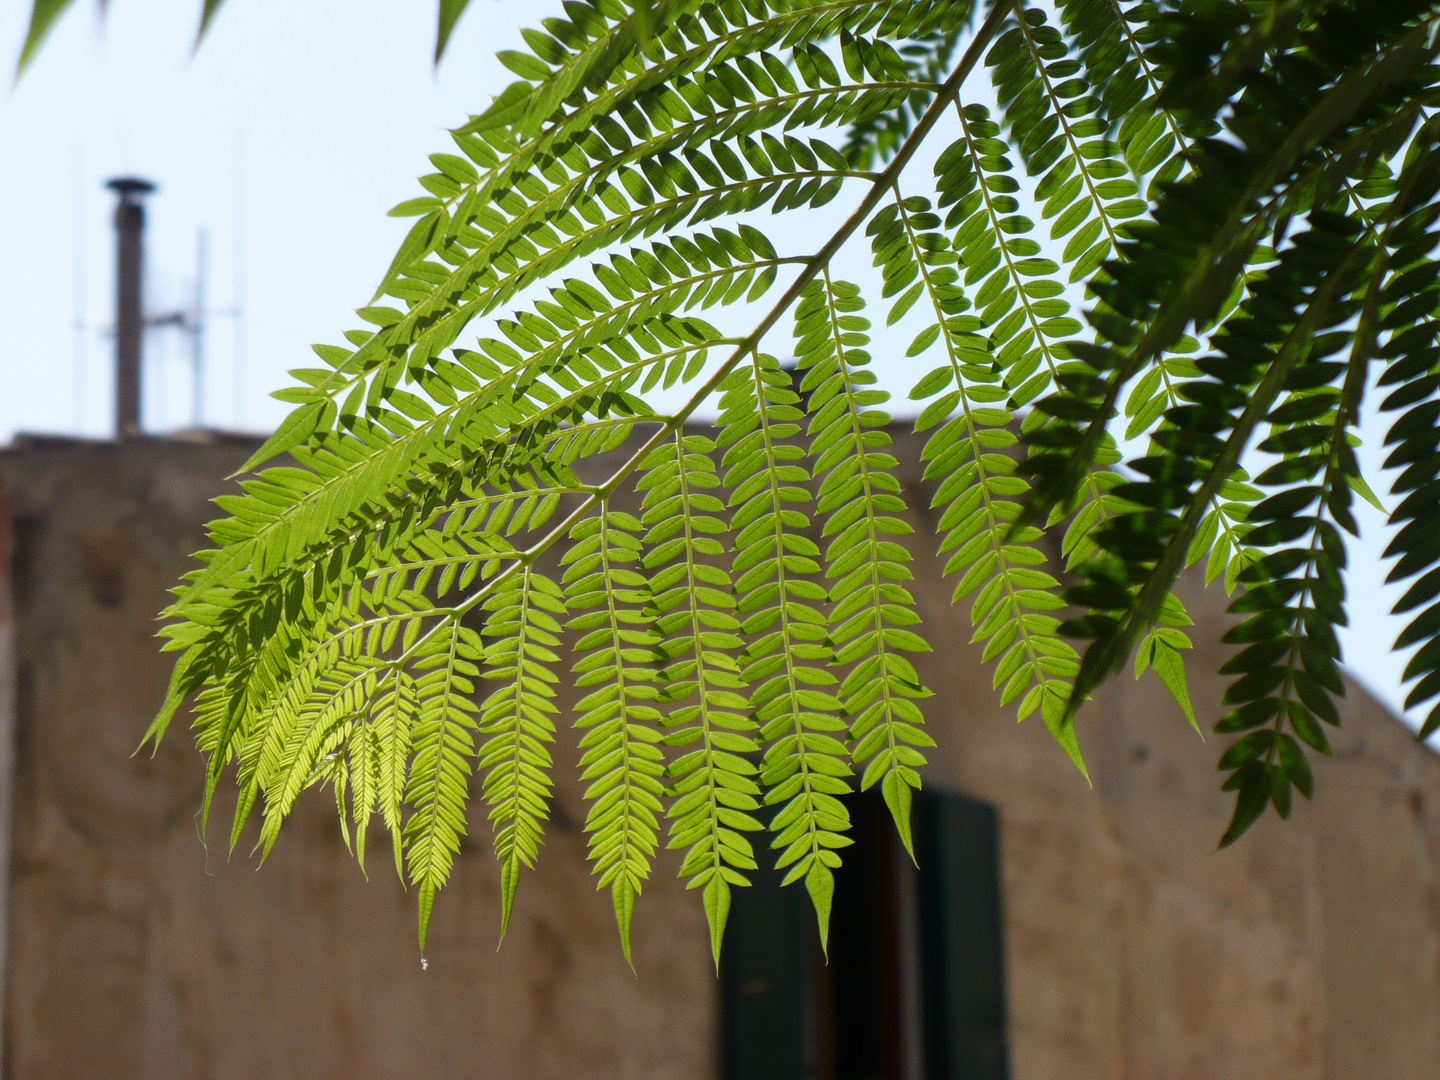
(197, 331)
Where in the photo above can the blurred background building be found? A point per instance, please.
(1055, 931)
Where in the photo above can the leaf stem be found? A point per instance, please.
(812, 266)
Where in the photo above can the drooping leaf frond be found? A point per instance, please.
(517, 720)
(443, 747)
(1199, 230)
(859, 498)
(1307, 137)
(696, 636)
(1400, 311)
(805, 768)
(621, 761)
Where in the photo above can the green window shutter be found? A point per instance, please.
(765, 983)
(961, 942)
(787, 1015)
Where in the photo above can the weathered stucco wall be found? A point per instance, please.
(1309, 951)
(135, 952)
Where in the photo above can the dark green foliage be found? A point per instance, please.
(1404, 311)
(1309, 131)
(1241, 195)
(44, 13)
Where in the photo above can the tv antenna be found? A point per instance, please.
(190, 321)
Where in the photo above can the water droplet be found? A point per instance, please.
(424, 964)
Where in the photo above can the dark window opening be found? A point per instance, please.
(914, 986)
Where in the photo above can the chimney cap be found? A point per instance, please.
(130, 188)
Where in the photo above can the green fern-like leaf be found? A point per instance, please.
(1187, 229)
(696, 638)
(806, 766)
(439, 774)
(621, 759)
(517, 721)
(859, 497)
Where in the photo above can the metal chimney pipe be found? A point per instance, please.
(129, 300)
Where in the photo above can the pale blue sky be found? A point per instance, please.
(292, 131)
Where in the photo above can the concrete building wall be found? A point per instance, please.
(1309, 951)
